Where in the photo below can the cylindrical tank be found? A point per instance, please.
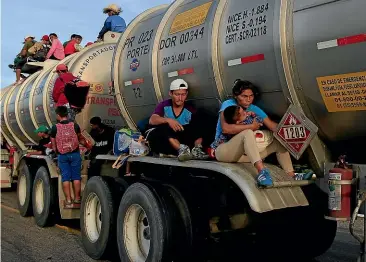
(4, 129)
(292, 50)
(10, 116)
(93, 64)
(23, 113)
(132, 76)
(47, 100)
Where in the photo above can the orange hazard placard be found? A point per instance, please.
(346, 92)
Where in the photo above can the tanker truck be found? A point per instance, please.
(307, 63)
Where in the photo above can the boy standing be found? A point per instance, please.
(65, 138)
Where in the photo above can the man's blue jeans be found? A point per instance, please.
(70, 166)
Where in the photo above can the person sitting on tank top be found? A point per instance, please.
(242, 146)
(58, 95)
(175, 126)
(114, 22)
(73, 46)
(57, 51)
(65, 138)
(21, 59)
(40, 49)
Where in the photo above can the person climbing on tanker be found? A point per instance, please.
(57, 51)
(43, 133)
(21, 58)
(40, 49)
(114, 22)
(103, 136)
(65, 138)
(73, 46)
(241, 145)
(58, 93)
(175, 126)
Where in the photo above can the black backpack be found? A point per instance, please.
(41, 54)
(76, 92)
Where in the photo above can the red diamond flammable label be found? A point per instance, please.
(295, 131)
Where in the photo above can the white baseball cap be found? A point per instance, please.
(178, 84)
(29, 36)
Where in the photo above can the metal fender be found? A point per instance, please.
(285, 193)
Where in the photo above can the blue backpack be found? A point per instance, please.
(123, 139)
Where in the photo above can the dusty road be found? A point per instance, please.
(22, 240)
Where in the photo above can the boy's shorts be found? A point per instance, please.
(70, 166)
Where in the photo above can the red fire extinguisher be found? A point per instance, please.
(340, 191)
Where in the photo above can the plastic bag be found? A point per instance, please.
(138, 148)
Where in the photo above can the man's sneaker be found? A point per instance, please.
(184, 153)
(198, 153)
(303, 176)
(264, 178)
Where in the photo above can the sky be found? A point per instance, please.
(20, 18)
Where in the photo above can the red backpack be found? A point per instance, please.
(66, 138)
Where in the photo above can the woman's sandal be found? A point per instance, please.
(77, 201)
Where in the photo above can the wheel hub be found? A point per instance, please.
(93, 217)
(39, 195)
(136, 233)
(22, 189)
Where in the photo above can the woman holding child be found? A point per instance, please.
(235, 139)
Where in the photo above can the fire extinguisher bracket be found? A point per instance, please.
(342, 182)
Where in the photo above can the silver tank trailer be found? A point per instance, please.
(292, 50)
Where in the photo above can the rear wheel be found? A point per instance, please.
(321, 233)
(143, 225)
(24, 191)
(183, 225)
(44, 198)
(97, 218)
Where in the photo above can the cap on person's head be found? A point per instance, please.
(112, 7)
(41, 129)
(178, 84)
(88, 44)
(28, 36)
(95, 120)
(45, 38)
(61, 67)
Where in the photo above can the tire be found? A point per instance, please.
(303, 231)
(44, 198)
(321, 234)
(144, 219)
(183, 225)
(97, 219)
(24, 191)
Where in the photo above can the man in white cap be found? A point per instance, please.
(175, 126)
(114, 22)
(21, 59)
